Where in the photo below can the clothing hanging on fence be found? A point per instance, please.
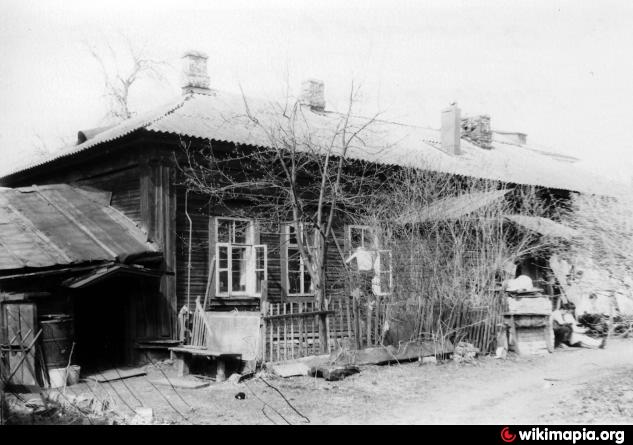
(365, 259)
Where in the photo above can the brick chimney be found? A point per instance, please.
(313, 94)
(194, 73)
(451, 130)
(477, 130)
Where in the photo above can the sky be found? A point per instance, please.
(560, 71)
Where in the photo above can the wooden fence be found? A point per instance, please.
(290, 329)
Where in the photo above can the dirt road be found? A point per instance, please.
(568, 386)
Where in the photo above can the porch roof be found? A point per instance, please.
(56, 225)
(544, 226)
(452, 207)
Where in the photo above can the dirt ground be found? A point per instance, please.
(569, 386)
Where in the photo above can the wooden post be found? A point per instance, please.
(285, 334)
(302, 340)
(278, 334)
(3, 414)
(158, 213)
(263, 311)
(377, 326)
(368, 323)
(182, 367)
(292, 333)
(356, 314)
(349, 319)
(220, 370)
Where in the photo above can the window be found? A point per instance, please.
(241, 264)
(298, 280)
(361, 236)
(362, 239)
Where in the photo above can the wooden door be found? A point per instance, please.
(19, 329)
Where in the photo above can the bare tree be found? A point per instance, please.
(449, 266)
(306, 173)
(605, 239)
(122, 69)
(302, 177)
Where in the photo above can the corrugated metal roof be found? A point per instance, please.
(61, 225)
(544, 226)
(452, 207)
(221, 116)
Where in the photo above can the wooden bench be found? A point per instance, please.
(181, 354)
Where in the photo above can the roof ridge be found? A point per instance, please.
(73, 149)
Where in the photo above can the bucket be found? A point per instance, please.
(72, 378)
(58, 377)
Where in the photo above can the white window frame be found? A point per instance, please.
(302, 265)
(251, 265)
(373, 245)
(363, 229)
(377, 271)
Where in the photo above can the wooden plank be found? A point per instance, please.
(388, 354)
(285, 334)
(281, 316)
(377, 317)
(292, 331)
(116, 374)
(278, 339)
(180, 382)
(359, 333)
(301, 339)
(210, 282)
(270, 309)
(263, 308)
(349, 319)
(368, 320)
(341, 317)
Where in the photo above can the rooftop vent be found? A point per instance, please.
(313, 94)
(194, 72)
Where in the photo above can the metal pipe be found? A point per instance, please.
(189, 251)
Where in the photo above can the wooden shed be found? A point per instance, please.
(75, 275)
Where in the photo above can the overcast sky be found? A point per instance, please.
(560, 71)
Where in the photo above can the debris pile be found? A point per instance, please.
(465, 352)
(57, 408)
(334, 372)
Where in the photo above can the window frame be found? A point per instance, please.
(367, 232)
(251, 268)
(287, 245)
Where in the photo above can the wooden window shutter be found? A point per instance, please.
(212, 261)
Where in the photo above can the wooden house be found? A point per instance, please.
(135, 163)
